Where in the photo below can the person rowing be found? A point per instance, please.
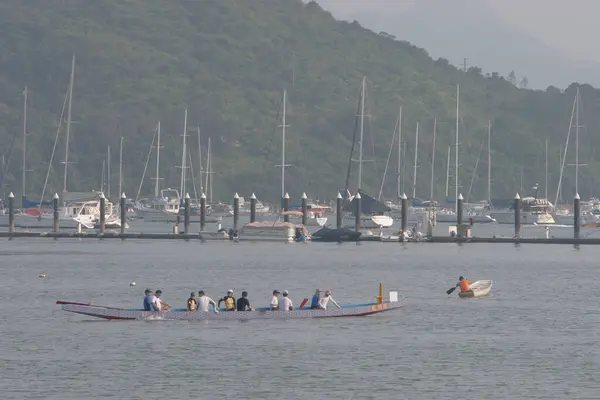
(314, 304)
(243, 304)
(275, 300)
(192, 304)
(325, 299)
(286, 302)
(204, 302)
(148, 294)
(229, 301)
(159, 304)
(465, 286)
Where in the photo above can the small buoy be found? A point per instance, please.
(132, 283)
(42, 275)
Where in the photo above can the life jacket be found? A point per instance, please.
(191, 305)
(229, 303)
(464, 285)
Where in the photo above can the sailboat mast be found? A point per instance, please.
(102, 177)
(200, 160)
(456, 148)
(108, 173)
(183, 156)
(157, 160)
(208, 173)
(577, 142)
(433, 160)
(68, 124)
(489, 151)
(546, 167)
(283, 126)
(23, 187)
(362, 132)
(399, 172)
(414, 192)
(447, 172)
(121, 167)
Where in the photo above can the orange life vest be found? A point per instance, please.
(464, 285)
(229, 303)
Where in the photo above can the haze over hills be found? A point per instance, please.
(475, 30)
(228, 62)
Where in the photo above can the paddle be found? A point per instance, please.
(449, 291)
(303, 303)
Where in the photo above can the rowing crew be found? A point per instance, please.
(154, 302)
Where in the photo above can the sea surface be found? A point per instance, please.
(535, 337)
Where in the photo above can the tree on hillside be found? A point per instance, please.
(512, 78)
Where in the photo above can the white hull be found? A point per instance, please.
(371, 221)
(478, 289)
(45, 221)
(268, 230)
(508, 217)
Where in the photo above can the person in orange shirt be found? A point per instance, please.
(464, 285)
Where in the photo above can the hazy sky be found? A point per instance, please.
(568, 25)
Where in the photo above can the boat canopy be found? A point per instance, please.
(369, 205)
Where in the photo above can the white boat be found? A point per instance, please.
(164, 208)
(478, 289)
(533, 211)
(272, 230)
(294, 217)
(370, 221)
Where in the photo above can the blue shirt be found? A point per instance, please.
(147, 303)
(315, 301)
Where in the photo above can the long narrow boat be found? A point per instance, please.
(347, 310)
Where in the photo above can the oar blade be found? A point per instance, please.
(303, 303)
(449, 291)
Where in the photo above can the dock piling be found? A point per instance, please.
(517, 215)
(186, 214)
(404, 212)
(338, 211)
(55, 226)
(286, 207)
(202, 212)
(253, 208)
(102, 212)
(576, 215)
(11, 212)
(123, 210)
(459, 211)
(304, 209)
(357, 212)
(236, 211)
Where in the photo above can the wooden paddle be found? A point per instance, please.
(303, 303)
(449, 291)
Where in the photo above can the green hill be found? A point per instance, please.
(228, 61)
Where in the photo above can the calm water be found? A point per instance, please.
(534, 337)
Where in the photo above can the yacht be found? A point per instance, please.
(534, 211)
(164, 208)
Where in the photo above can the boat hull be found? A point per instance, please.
(478, 289)
(353, 310)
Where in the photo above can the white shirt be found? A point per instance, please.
(325, 299)
(286, 303)
(274, 301)
(156, 303)
(204, 302)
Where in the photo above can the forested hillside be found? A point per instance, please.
(227, 62)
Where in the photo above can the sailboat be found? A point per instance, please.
(374, 214)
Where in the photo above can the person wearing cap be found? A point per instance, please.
(325, 299)
(159, 304)
(204, 302)
(314, 304)
(275, 300)
(148, 300)
(192, 305)
(229, 301)
(286, 302)
(243, 304)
